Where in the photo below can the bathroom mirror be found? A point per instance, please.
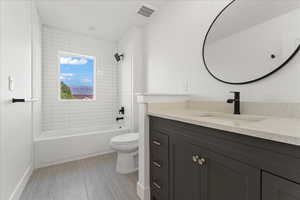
(252, 39)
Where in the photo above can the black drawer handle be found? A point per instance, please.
(156, 164)
(156, 185)
(156, 143)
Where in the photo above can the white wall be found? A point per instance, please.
(1, 114)
(36, 70)
(173, 58)
(16, 134)
(64, 115)
(131, 74)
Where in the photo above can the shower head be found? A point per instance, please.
(119, 57)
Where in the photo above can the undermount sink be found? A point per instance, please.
(246, 118)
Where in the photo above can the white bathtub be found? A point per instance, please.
(54, 147)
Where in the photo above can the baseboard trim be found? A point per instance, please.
(143, 192)
(22, 184)
(42, 165)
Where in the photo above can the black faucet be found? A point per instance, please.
(236, 102)
(122, 110)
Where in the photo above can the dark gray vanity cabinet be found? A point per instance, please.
(190, 162)
(198, 174)
(275, 188)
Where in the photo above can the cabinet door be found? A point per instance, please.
(228, 179)
(276, 188)
(212, 177)
(185, 174)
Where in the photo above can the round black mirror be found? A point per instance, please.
(251, 39)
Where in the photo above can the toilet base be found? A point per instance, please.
(127, 162)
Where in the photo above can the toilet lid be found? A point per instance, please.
(126, 138)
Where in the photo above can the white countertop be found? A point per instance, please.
(285, 130)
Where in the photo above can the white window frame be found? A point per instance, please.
(65, 53)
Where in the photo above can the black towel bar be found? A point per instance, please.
(18, 100)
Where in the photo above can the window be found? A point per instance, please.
(77, 77)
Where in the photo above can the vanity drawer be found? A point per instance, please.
(159, 141)
(155, 195)
(159, 190)
(159, 157)
(160, 187)
(158, 164)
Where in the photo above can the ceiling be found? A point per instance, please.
(104, 19)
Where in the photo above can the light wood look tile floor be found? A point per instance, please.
(89, 179)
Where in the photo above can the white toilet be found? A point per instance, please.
(127, 148)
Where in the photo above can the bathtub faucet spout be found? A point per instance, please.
(119, 118)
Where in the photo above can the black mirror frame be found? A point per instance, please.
(246, 82)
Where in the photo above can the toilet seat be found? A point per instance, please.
(128, 138)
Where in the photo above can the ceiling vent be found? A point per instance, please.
(146, 11)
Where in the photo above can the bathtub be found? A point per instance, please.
(56, 147)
